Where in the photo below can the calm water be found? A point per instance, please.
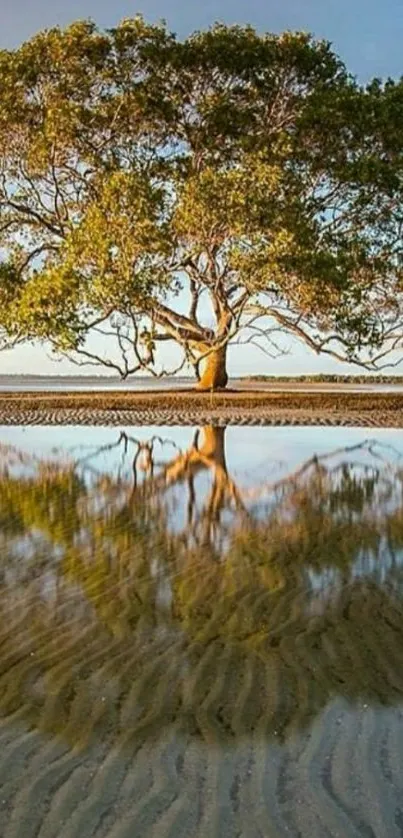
(85, 383)
(20, 384)
(201, 633)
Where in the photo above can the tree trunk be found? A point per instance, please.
(212, 445)
(214, 370)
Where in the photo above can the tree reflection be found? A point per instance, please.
(256, 599)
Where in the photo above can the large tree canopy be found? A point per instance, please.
(228, 187)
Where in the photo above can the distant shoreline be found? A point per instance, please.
(187, 407)
(317, 378)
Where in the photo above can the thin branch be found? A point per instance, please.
(58, 194)
(94, 360)
(319, 346)
(37, 251)
(194, 292)
(33, 214)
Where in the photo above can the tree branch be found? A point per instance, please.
(177, 321)
(319, 346)
(33, 214)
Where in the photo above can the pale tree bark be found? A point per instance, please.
(214, 370)
(213, 360)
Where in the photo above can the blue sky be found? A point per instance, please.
(367, 34)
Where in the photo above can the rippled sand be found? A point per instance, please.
(242, 676)
(327, 408)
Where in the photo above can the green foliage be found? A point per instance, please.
(252, 168)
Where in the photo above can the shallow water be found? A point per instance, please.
(21, 384)
(201, 632)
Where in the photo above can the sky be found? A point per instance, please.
(367, 34)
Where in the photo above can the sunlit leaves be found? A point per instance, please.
(241, 165)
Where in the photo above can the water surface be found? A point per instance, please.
(201, 632)
(85, 383)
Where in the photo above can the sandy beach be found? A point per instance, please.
(187, 407)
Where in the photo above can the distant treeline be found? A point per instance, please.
(320, 378)
(323, 378)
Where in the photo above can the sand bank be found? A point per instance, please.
(188, 407)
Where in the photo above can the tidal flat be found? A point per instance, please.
(282, 405)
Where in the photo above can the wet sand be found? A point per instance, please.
(187, 407)
(107, 736)
(250, 704)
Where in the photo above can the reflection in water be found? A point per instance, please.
(181, 655)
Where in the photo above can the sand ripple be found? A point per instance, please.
(293, 734)
(220, 417)
(251, 702)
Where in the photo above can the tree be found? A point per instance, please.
(247, 177)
